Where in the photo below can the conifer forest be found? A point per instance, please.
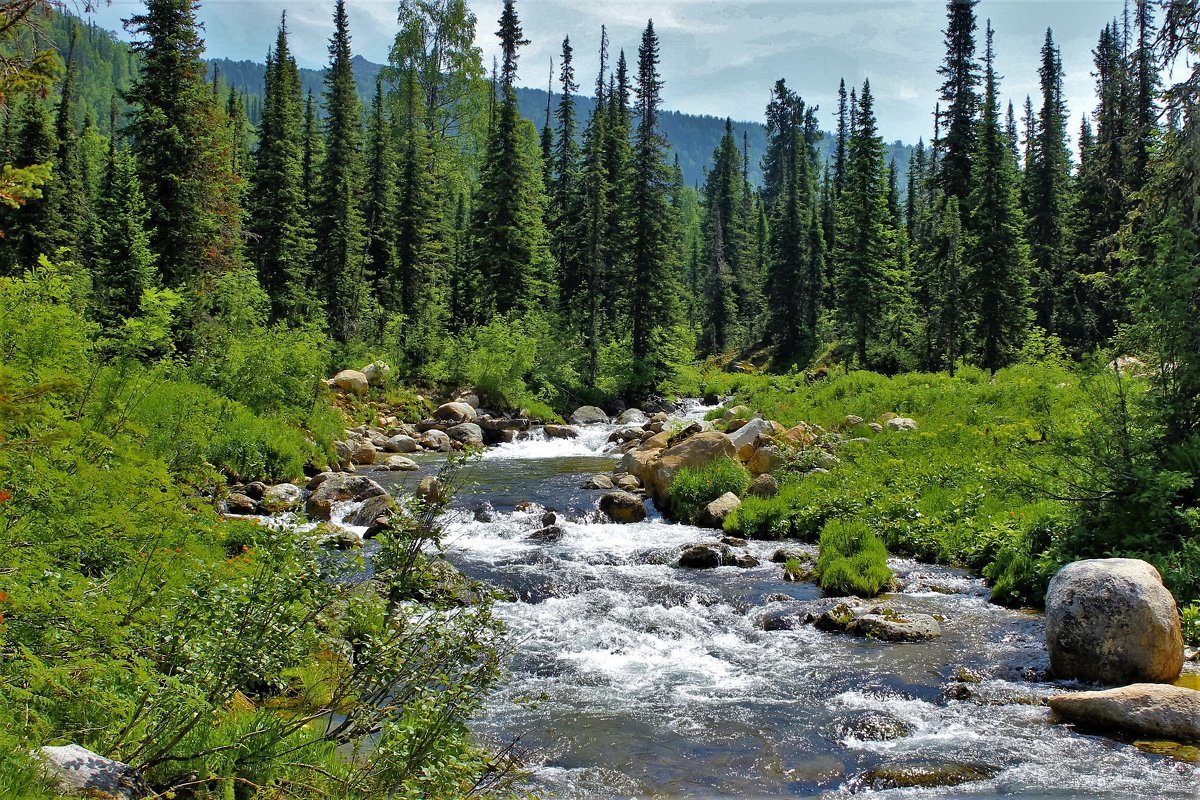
(430, 430)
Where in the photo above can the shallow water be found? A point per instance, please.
(633, 678)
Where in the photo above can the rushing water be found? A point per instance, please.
(633, 678)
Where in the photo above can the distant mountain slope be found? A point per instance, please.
(105, 63)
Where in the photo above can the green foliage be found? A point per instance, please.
(852, 560)
(1190, 622)
(694, 488)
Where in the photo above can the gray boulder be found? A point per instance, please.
(560, 432)
(623, 507)
(714, 513)
(455, 412)
(401, 444)
(240, 504)
(1150, 710)
(707, 556)
(588, 415)
(1110, 620)
(764, 486)
(889, 626)
(372, 509)
(434, 439)
(902, 424)
(399, 464)
(597, 482)
(376, 372)
(284, 497)
(467, 433)
(350, 381)
(746, 434)
(632, 416)
(337, 488)
(362, 452)
(78, 771)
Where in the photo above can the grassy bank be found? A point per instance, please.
(992, 479)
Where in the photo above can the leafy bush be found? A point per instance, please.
(693, 489)
(852, 560)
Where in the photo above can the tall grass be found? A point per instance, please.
(852, 560)
(695, 488)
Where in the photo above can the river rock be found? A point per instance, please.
(922, 776)
(431, 491)
(376, 372)
(560, 432)
(337, 488)
(238, 503)
(873, 726)
(889, 626)
(401, 444)
(748, 433)
(362, 452)
(400, 464)
(764, 460)
(714, 513)
(467, 433)
(255, 489)
(629, 483)
(333, 538)
(372, 509)
(588, 415)
(455, 412)
(550, 533)
(852, 420)
(707, 556)
(1153, 710)
(764, 486)
(317, 480)
(801, 435)
(626, 434)
(623, 507)
(698, 451)
(283, 497)
(632, 416)
(470, 397)
(350, 381)
(1110, 620)
(658, 405)
(435, 440)
(875, 427)
(597, 482)
(78, 771)
(902, 424)
(736, 412)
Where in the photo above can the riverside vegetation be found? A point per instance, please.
(174, 290)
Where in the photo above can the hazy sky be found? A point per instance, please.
(720, 57)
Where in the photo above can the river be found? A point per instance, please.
(631, 677)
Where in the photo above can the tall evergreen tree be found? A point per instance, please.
(32, 230)
(512, 260)
(339, 222)
(843, 134)
(566, 178)
(960, 97)
(123, 263)
(313, 153)
(1047, 180)
(66, 195)
(379, 206)
(180, 141)
(619, 224)
(728, 247)
(997, 254)
(652, 291)
(281, 244)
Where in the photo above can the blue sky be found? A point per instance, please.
(719, 57)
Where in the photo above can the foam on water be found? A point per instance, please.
(591, 441)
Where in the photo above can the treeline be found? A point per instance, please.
(996, 240)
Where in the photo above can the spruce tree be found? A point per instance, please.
(281, 245)
(31, 230)
(725, 236)
(619, 210)
(510, 246)
(959, 93)
(379, 204)
(866, 258)
(340, 228)
(181, 143)
(313, 153)
(66, 194)
(565, 160)
(123, 264)
(843, 133)
(652, 290)
(997, 254)
(1047, 180)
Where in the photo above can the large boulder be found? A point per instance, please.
(623, 507)
(283, 497)
(715, 512)
(240, 504)
(401, 444)
(376, 372)
(350, 381)
(888, 626)
(79, 771)
(633, 416)
(372, 509)
(431, 491)
(746, 434)
(399, 464)
(696, 451)
(588, 415)
(560, 432)
(434, 439)
(337, 488)
(597, 482)
(1111, 620)
(361, 452)
(764, 486)
(455, 412)
(467, 433)
(1151, 710)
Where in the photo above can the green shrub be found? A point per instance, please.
(852, 560)
(693, 489)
